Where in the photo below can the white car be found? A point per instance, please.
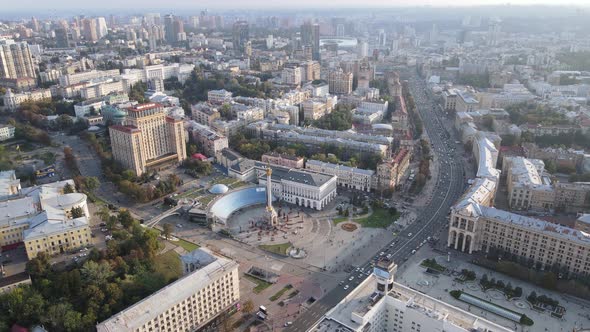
(351, 278)
(345, 287)
(179, 225)
(409, 234)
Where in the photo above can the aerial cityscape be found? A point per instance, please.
(261, 166)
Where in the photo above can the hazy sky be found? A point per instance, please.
(172, 5)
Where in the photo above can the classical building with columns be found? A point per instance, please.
(475, 225)
(299, 187)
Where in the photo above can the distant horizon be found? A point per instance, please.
(24, 7)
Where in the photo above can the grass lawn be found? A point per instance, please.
(224, 180)
(191, 193)
(380, 218)
(431, 263)
(238, 184)
(280, 293)
(338, 220)
(206, 199)
(188, 246)
(280, 249)
(169, 265)
(260, 284)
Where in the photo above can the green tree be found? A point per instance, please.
(38, 266)
(92, 183)
(96, 273)
(24, 305)
(167, 230)
(68, 188)
(126, 219)
(77, 212)
(248, 307)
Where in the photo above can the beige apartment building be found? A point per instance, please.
(340, 82)
(389, 173)
(313, 109)
(16, 60)
(282, 159)
(209, 287)
(534, 239)
(149, 139)
(204, 113)
(572, 197)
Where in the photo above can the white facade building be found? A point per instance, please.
(6, 132)
(299, 187)
(13, 100)
(219, 96)
(348, 177)
(381, 304)
(209, 287)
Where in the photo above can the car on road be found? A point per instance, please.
(345, 287)
(179, 225)
(351, 278)
(288, 324)
(410, 234)
(414, 251)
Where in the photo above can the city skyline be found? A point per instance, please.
(142, 6)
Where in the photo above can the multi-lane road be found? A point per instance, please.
(431, 221)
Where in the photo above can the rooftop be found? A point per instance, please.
(297, 175)
(143, 311)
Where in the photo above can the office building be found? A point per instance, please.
(340, 82)
(281, 159)
(149, 139)
(16, 60)
(347, 177)
(310, 37)
(379, 303)
(240, 36)
(209, 287)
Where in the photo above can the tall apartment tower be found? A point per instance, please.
(169, 32)
(340, 82)
(241, 36)
(494, 29)
(89, 28)
(149, 139)
(310, 36)
(16, 60)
